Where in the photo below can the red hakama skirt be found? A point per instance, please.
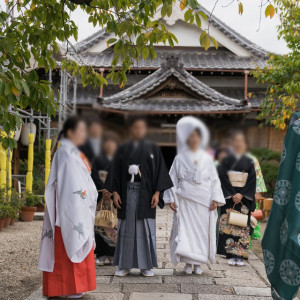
(68, 278)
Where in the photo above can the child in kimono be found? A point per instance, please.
(194, 198)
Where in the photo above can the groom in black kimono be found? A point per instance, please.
(140, 177)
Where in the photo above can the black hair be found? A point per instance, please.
(236, 132)
(219, 151)
(111, 136)
(135, 118)
(94, 120)
(71, 124)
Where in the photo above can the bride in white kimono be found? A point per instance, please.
(194, 198)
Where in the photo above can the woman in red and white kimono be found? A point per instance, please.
(67, 245)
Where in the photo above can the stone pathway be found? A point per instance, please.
(218, 282)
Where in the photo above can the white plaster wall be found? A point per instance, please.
(187, 35)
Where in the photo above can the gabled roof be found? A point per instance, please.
(235, 36)
(139, 98)
(253, 48)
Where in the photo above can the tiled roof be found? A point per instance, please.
(135, 97)
(91, 40)
(191, 59)
(225, 29)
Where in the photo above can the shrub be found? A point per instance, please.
(31, 199)
(269, 161)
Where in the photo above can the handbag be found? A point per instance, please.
(258, 214)
(237, 218)
(106, 217)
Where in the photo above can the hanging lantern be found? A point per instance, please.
(25, 131)
(18, 132)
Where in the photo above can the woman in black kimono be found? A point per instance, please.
(139, 177)
(101, 173)
(234, 240)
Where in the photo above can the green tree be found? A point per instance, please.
(282, 72)
(31, 31)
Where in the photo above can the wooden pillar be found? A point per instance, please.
(246, 85)
(101, 87)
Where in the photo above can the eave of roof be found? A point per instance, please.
(192, 59)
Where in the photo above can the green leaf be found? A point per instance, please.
(204, 40)
(5, 143)
(145, 52)
(111, 41)
(25, 88)
(214, 42)
(7, 89)
(153, 53)
(198, 20)
(192, 4)
(6, 127)
(164, 9)
(188, 14)
(204, 16)
(169, 11)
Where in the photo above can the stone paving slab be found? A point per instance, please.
(231, 297)
(180, 267)
(235, 275)
(252, 291)
(206, 289)
(223, 267)
(137, 279)
(104, 270)
(189, 279)
(160, 296)
(108, 288)
(260, 269)
(255, 282)
(104, 296)
(150, 288)
(103, 279)
(157, 272)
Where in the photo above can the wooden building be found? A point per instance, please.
(214, 85)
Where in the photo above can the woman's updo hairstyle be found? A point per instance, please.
(71, 124)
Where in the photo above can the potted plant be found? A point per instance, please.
(6, 209)
(30, 202)
(16, 202)
(41, 207)
(1, 218)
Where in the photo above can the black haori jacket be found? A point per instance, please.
(154, 175)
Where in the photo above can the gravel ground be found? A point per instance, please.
(19, 251)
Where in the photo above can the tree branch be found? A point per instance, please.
(81, 2)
